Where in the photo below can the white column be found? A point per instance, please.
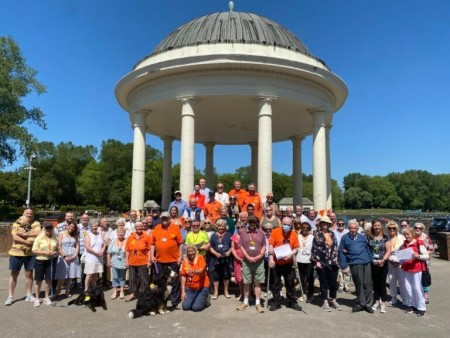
(254, 162)
(138, 174)
(297, 171)
(209, 165)
(319, 161)
(329, 195)
(187, 146)
(265, 146)
(167, 172)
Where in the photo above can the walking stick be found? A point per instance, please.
(297, 275)
(268, 286)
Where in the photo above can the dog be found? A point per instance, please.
(92, 297)
(154, 299)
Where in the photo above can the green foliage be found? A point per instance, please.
(17, 80)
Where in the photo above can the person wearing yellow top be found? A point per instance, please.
(45, 247)
(198, 237)
(23, 233)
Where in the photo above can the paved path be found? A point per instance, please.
(222, 320)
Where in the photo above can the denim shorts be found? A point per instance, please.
(16, 262)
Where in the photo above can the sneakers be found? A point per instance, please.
(309, 299)
(242, 307)
(259, 308)
(409, 310)
(420, 313)
(335, 305)
(301, 299)
(29, 298)
(326, 307)
(36, 303)
(394, 302)
(274, 306)
(47, 301)
(9, 301)
(383, 308)
(375, 307)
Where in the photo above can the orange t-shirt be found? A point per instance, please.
(277, 239)
(256, 201)
(195, 281)
(167, 243)
(138, 249)
(239, 196)
(212, 211)
(201, 199)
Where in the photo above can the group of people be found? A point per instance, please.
(217, 236)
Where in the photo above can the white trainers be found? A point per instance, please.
(36, 303)
(9, 301)
(383, 308)
(29, 298)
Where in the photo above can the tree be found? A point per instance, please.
(17, 80)
(356, 198)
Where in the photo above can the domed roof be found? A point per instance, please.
(232, 27)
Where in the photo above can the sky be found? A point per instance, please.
(394, 57)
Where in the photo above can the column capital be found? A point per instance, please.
(187, 99)
(136, 114)
(297, 138)
(265, 99)
(209, 144)
(167, 138)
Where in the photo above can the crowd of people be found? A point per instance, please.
(214, 238)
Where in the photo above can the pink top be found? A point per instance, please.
(237, 247)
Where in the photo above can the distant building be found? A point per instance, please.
(289, 202)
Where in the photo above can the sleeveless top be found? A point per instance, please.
(377, 246)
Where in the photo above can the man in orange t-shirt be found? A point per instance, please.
(194, 281)
(239, 193)
(198, 196)
(166, 250)
(284, 266)
(212, 208)
(252, 197)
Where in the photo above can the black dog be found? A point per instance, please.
(154, 299)
(93, 297)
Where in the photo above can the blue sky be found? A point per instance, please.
(393, 55)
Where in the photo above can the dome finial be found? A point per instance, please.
(231, 6)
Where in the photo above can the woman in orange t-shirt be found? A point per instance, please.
(138, 260)
(194, 281)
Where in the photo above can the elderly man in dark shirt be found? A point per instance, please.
(354, 254)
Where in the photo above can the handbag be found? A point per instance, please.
(426, 276)
(83, 258)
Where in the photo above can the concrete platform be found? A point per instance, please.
(222, 320)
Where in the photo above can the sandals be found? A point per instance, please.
(114, 296)
(122, 296)
(227, 295)
(214, 297)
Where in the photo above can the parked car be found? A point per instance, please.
(439, 224)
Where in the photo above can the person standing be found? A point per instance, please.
(270, 217)
(24, 231)
(95, 247)
(61, 227)
(253, 198)
(355, 255)
(179, 203)
(211, 209)
(233, 209)
(269, 203)
(419, 234)
(252, 243)
(45, 247)
(283, 266)
(198, 196)
(220, 260)
(118, 262)
(304, 263)
(83, 229)
(239, 193)
(167, 250)
(193, 211)
(137, 250)
(343, 278)
(129, 226)
(324, 254)
(396, 274)
(222, 196)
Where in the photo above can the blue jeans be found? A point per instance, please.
(196, 300)
(118, 277)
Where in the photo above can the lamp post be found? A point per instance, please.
(29, 168)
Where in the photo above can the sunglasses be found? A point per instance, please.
(341, 224)
(415, 228)
(268, 209)
(196, 225)
(389, 228)
(269, 229)
(207, 223)
(239, 227)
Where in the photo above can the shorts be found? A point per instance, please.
(44, 269)
(249, 269)
(16, 262)
(221, 272)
